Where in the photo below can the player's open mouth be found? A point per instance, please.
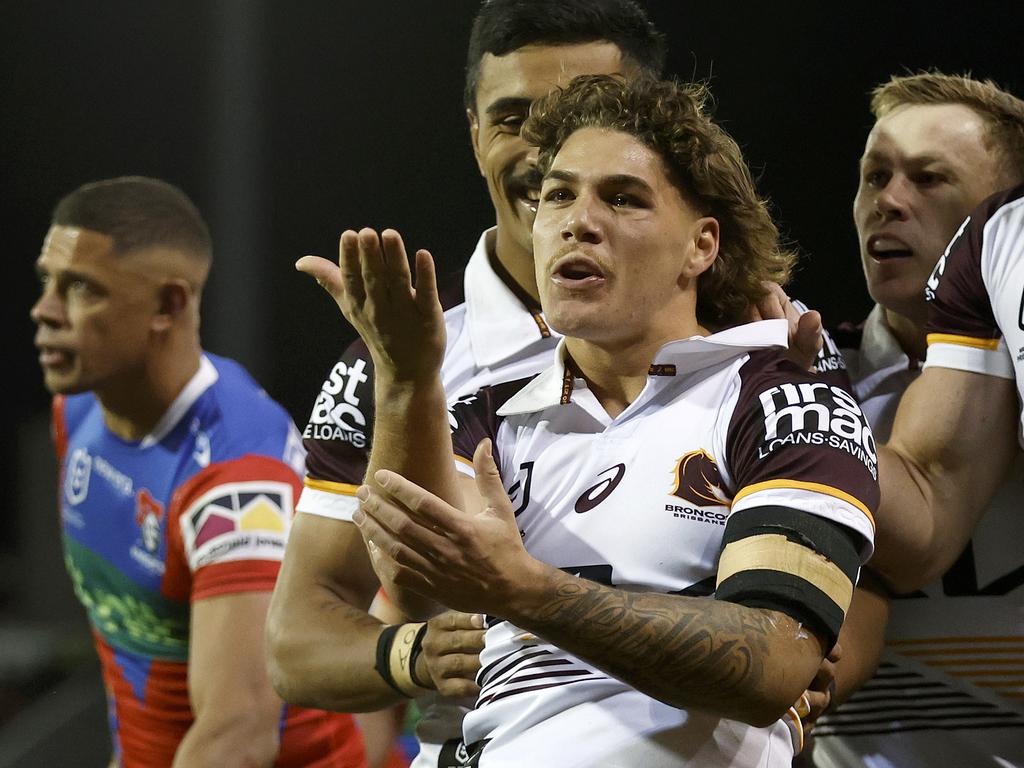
(576, 272)
(885, 248)
(52, 357)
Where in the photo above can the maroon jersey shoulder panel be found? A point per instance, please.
(475, 417)
(338, 433)
(792, 425)
(958, 302)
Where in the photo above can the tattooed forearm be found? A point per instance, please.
(688, 652)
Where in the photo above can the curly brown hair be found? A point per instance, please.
(1001, 111)
(705, 164)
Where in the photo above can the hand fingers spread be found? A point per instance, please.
(348, 265)
(428, 541)
(440, 642)
(488, 479)
(371, 264)
(396, 262)
(326, 273)
(387, 547)
(458, 620)
(426, 283)
(426, 508)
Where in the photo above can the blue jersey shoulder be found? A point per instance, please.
(239, 417)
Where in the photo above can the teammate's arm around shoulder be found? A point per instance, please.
(952, 443)
(237, 714)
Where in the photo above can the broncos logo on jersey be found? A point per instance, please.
(698, 480)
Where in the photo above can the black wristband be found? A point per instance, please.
(417, 649)
(382, 664)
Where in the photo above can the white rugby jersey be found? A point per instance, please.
(950, 686)
(495, 333)
(640, 502)
(976, 294)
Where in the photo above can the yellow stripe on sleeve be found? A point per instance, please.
(828, 490)
(342, 489)
(962, 341)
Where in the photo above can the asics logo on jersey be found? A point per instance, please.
(816, 414)
(698, 480)
(595, 494)
(335, 414)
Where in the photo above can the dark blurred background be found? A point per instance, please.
(288, 122)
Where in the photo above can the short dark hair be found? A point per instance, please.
(705, 164)
(138, 213)
(503, 26)
(1000, 110)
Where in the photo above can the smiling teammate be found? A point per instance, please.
(939, 146)
(654, 463)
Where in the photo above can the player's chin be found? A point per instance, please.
(63, 383)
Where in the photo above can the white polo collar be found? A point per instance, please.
(201, 381)
(500, 325)
(554, 386)
(879, 347)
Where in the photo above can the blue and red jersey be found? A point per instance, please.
(198, 508)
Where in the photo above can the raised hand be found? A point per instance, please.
(403, 326)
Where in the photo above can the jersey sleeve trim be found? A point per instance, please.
(987, 361)
(345, 489)
(230, 579)
(964, 341)
(828, 490)
(337, 506)
(464, 466)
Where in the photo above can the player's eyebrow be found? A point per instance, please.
(508, 104)
(615, 179)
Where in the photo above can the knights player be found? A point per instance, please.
(665, 526)
(322, 642)
(178, 479)
(940, 145)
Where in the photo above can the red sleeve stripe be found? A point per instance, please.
(234, 577)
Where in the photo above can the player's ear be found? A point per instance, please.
(173, 298)
(702, 255)
(474, 136)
